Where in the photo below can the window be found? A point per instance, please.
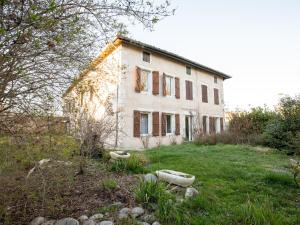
(204, 122)
(169, 124)
(188, 70)
(144, 123)
(169, 85)
(146, 57)
(145, 80)
(189, 90)
(216, 96)
(215, 79)
(204, 93)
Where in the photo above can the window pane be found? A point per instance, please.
(169, 126)
(146, 56)
(188, 70)
(144, 80)
(168, 85)
(144, 123)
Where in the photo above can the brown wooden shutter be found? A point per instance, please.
(163, 124)
(177, 123)
(138, 80)
(204, 93)
(204, 124)
(155, 82)
(187, 91)
(177, 87)
(191, 90)
(222, 124)
(216, 96)
(155, 124)
(164, 85)
(136, 123)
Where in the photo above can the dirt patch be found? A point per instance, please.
(56, 192)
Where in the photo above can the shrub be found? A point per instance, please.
(283, 133)
(253, 122)
(149, 192)
(170, 212)
(109, 184)
(229, 138)
(134, 164)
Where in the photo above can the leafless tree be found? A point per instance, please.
(43, 43)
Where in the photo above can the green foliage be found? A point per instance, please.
(109, 184)
(149, 192)
(229, 138)
(279, 179)
(283, 133)
(134, 164)
(259, 214)
(252, 122)
(227, 176)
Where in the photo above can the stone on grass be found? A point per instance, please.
(106, 223)
(143, 223)
(156, 223)
(89, 222)
(148, 218)
(38, 221)
(149, 177)
(123, 213)
(82, 218)
(137, 211)
(49, 222)
(67, 221)
(97, 216)
(191, 192)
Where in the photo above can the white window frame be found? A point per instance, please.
(172, 94)
(149, 123)
(149, 91)
(172, 124)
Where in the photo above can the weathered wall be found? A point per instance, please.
(132, 57)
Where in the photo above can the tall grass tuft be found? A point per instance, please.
(134, 164)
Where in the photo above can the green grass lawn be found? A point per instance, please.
(238, 184)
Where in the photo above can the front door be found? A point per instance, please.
(188, 128)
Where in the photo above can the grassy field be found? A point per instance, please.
(238, 184)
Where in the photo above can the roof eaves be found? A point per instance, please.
(171, 55)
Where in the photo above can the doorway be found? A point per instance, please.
(188, 128)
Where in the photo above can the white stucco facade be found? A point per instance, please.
(126, 100)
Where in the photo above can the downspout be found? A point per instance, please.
(117, 118)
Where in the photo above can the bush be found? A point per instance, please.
(134, 164)
(253, 122)
(229, 138)
(109, 184)
(283, 133)
(149, 192)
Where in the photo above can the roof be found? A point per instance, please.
(122, 39)
(168, 54)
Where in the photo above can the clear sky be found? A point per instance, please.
(255, 41)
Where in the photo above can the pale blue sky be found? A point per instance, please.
(257, 42)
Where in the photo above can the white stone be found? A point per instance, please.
(89, 222)
(137, 211)
(67, 221)
(191, 192)
(49, 222)
(150, 178)
(106, 223)
(148, 218)
(156, 223)
(38, 221)
(83, 218)
(96, 216)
